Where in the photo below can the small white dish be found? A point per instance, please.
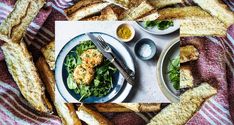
(132, 30)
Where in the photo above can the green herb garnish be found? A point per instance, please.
(174, 72)
(161, 25)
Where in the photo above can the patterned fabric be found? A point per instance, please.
(214, 65)
(15, 110)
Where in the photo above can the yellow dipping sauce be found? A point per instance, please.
(124, 32)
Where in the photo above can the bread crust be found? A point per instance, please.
(106, 14)
(186, 77)
(190, 102)
(80, 4)
(188, 53)
(14, 27)
(111, 107)
(92, 117)
(49, 53)
(137, 12)
(163, 3)
(217, 9)
(85, 11)
(142, 107)
(65, 111)
(182, 12)
(206, 26)
(21, 67)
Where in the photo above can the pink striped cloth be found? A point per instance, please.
(215, 65)
(219, 110)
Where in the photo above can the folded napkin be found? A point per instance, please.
(217, 110)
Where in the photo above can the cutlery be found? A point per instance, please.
(109, 50)
(106, 52)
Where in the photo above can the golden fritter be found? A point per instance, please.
(83, 74)
(91, 57)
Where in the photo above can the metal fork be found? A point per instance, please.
(108, 49)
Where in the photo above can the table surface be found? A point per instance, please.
(146, 89)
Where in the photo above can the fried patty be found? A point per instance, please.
(83, 74)
(91, 57)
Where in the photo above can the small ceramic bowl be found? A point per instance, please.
(145, 49)
(130, 28)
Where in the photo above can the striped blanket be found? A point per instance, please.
(219, 110)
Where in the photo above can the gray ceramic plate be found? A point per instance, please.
(120, 90)
(156, 31)
(169, 53)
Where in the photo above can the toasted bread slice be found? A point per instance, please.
(141, 107)
(24, 73)
(65, 111)
(218, 9)
(153, 15)
(91, 117)
(47, 76)
(80, 4)
(206, 26)
(111, 107)
(182, 12)
(138, 11)
(163, 3)
(188, 53)
(106, 14)
(13, 28)
(124, 3)
(120, 3)
(88, 10)
(127, 3)
(190, 102)
(49, 53)
(186, 77)
(133, 106)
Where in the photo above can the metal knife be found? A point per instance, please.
(111, 58)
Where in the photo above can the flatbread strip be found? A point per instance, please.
(110, 107)
(15, 25)
(23, 71)
(163, 3)
(217, 9)
(190, 102)
(127, 3)
(65, 111)
(49, 53)
(153, 15)
(139, 11)
(80, 4)
(106, 14)
(92, 117)
(79, 11)
(182, 12)
(194, 21)
(142, 107)
(206, 26)
(186, 77)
